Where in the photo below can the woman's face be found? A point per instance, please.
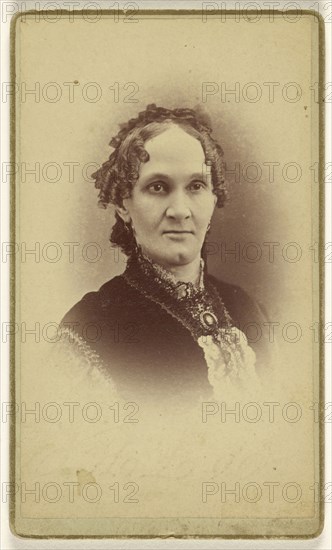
(172, 201)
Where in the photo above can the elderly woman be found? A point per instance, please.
(165, 327)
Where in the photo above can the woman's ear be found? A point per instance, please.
(123, 213)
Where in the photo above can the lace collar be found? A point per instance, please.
(163, 277)
(199, 308)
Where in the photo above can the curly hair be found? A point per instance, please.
(118, 175)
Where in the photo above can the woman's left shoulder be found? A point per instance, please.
(242, 307)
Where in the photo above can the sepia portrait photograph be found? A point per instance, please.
(167, 280)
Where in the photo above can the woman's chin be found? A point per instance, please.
(172, 253)
(177, 256)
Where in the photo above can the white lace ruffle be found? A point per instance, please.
(231, 361)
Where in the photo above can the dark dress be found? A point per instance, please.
(142, 330)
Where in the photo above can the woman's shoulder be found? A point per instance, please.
(242, 307)
(93, 305)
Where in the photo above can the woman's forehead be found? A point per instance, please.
(174, 146)
(173, 152)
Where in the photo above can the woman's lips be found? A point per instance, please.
(178, 235)
(178, 232)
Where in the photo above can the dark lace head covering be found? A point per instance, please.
(117, 176)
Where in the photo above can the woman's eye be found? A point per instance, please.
(157, 187)
(197, 185)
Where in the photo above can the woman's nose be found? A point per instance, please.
(178, 207)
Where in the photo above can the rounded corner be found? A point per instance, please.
(14, 529)
(14, 20)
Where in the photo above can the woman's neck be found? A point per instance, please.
(188, 273)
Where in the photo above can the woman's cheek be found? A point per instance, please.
(205, 210)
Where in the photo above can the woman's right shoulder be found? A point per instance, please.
(97, 304)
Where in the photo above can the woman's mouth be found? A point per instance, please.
(178, 235)
(178, 232)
